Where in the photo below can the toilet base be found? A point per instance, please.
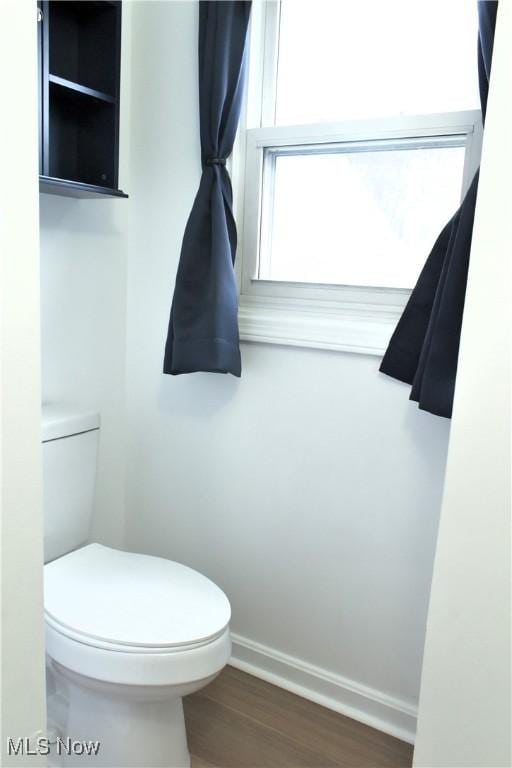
(136, 726)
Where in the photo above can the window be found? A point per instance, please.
(358, 213)
(362, 134)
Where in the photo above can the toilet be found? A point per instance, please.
(127, 635)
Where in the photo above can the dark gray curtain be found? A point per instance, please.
(424, 348)
(203, 326)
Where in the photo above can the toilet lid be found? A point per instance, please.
(128, 599)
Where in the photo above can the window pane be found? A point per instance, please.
(360, 218)
(341, 60)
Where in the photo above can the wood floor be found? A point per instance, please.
(239, 721)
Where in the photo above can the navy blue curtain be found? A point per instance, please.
(424, 348)
(203, 326)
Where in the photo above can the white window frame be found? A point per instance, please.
(337, 317)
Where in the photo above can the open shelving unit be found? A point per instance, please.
(80, 57)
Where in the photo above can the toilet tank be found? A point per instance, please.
(70, 448)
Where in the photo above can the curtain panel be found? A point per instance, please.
(424, 348)
(203, 324)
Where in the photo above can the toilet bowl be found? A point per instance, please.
(127, 636)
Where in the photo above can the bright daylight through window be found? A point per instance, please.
(363, 133)
(360, 217)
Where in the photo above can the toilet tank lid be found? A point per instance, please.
(59, 420)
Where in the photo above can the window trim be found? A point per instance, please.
(336, 317)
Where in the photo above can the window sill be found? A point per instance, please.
(357, 328)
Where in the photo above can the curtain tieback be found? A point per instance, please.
(216, 161)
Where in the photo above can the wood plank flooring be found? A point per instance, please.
(239, 721)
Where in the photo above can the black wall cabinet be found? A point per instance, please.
(79, 60)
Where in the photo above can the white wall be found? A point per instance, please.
(83, 314)
(22, 668)
(310, 489)
(465, 713)
(83, 290)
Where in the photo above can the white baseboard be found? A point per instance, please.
(368, 705)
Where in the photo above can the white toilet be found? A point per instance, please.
(127, 635)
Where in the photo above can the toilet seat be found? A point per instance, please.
(136, 619)
(177, 667)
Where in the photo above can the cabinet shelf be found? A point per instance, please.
(52, 186)
(82, 89)
(79, 59)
